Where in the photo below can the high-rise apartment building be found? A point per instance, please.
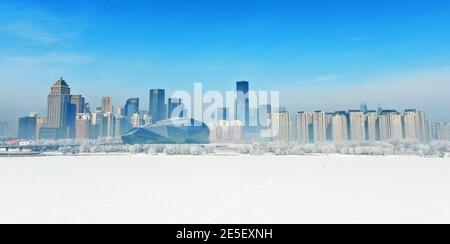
(340, 127)
(357, 126)
(372, 126)
(391, 125)
(443, 131)
(319, 127)
(409, 124)
(157, 105)
(281, 126)
(421, 126)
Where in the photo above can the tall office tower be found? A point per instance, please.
(157, 105)
(107, 106)
(175, 108)
(391, 125)
(121, 126)
(96, 124)
(83, 125)
(443, 131)
(222, 114)
(409, 124)
(79, 103)
(136, 120)
(304, 127)
(27, 127)
(364, 108)
(131, 107)
(281, 126)
(340, 127)
(242, 102)
(41, 122)
(108, 125)
(58, 104)
(372, 126)
(319, 127)
(421, 126)
(357, 126)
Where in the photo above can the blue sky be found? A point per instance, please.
(325, 48)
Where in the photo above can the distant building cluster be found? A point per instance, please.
(362, 126)
(71, 117)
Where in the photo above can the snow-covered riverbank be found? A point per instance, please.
(224, 189)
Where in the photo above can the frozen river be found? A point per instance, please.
(224, 189)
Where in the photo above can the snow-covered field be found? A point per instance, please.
(225, 189)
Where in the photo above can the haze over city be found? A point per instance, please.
(323, 55)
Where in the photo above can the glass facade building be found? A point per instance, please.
(173, 131)
(157, 105)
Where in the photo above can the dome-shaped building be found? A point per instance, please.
(172, 131)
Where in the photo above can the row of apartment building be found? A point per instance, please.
(357, 126)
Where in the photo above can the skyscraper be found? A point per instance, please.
(131, 107)
(79, 103)
(175, 108)
(157, 106)
(357, 126)
(242, 102)
(107, 106)
(58, 104)
(27, 127)
(304, 127)
(340, 127)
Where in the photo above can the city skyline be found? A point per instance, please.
(69, 117)
(326, 55)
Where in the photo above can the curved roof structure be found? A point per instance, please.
(173, 131)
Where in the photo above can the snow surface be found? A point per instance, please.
(224, 189)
